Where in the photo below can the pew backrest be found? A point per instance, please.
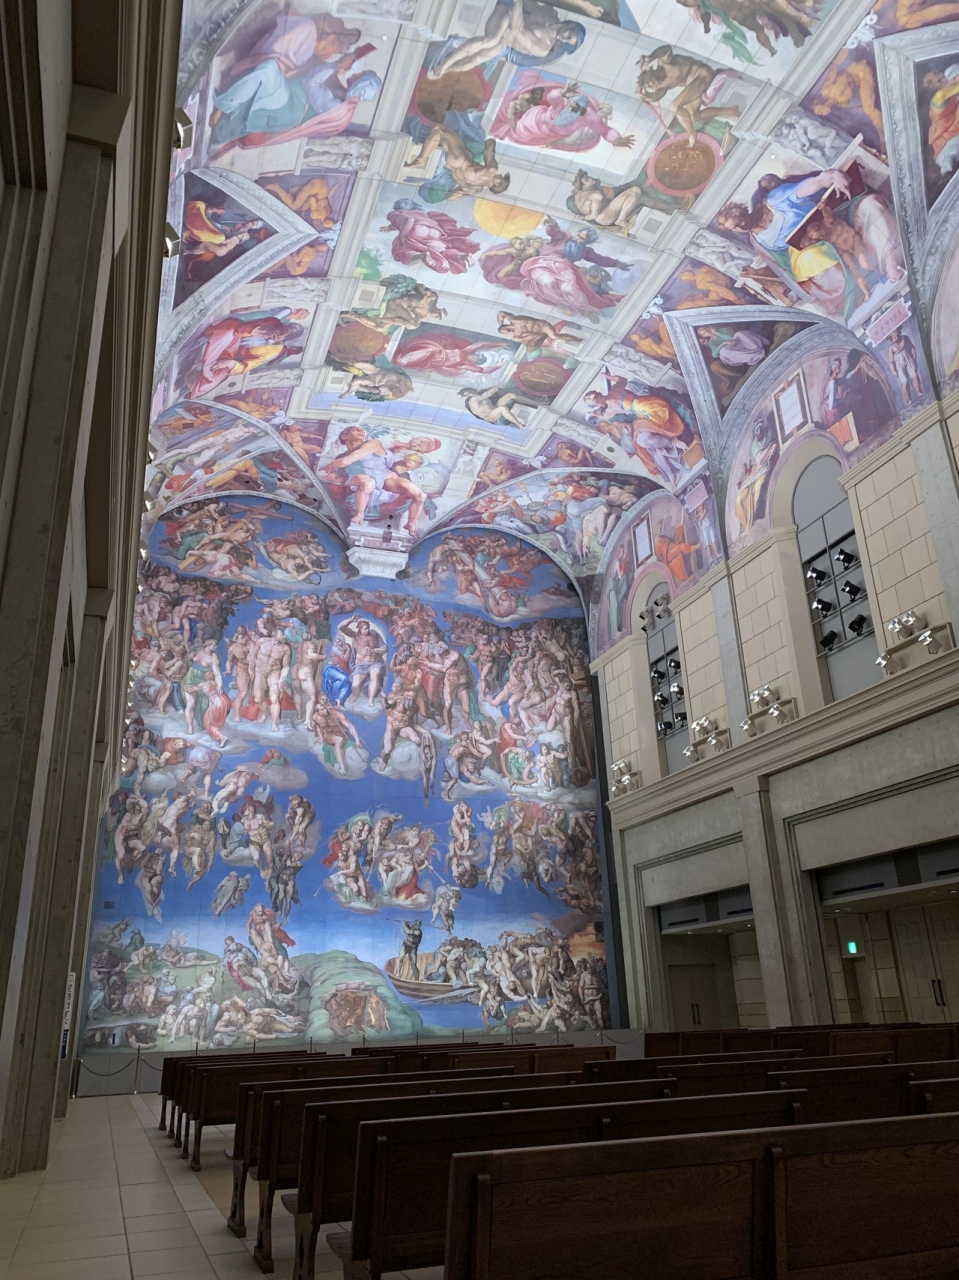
(851, 1093)
(402, 1166)
(846, 1200)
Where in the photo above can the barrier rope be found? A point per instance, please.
(105, 1075)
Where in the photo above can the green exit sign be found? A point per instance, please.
(852, 948)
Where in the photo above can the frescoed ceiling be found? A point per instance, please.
(520, 265)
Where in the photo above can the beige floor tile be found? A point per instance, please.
(215, 1244)
(32, 1251)
(75, 1198)
(116, 1267)
(205, 1272)
(156, 1221)
(163, 1238)
(327, 1264)
(236, 1266)
(87, 1228)
(156, 1261)
(148, 1198)
(145, 1171)
(193, 1197)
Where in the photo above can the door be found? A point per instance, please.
(694, 992)
(922, 986)
(943, 925)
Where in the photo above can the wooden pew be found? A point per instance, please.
(527, 1059)
(927, 1096)
(183, 1071)
(246, 1134)
(275, 1162)
(171, 1059)
(821, 1202)
(214, 1089)
(853, 1093)
(646, 1068)
(402, 1166)
(325, 1176)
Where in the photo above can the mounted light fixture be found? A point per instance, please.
(676, 689)
(929, 642)
(171, 241)
(657, 675)
(182, 130)
(693, 753)
(828, 640)
(887, 662)
(646, 615)
(661, 699)
(661, 605)
(674, 665)
(748, 727)
(764, 697)
(846, 558)
(858, 624)
(823, 607)
(682, 719)
(852, 589)
(906, 624)
(816, 575)
(663, 727)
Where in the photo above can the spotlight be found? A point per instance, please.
(779, 712)
(645, 615)
(816, 575)
(682, 719)
(748, 728)
(929, 641)
(661, 700)
(663, 727)
(904, 626)
(852, 589)
(676, 689)
(823, 607)
(661, 605)
(674, 664)
(692, 752)
(764, 697)
(657, 675)
(887, 662)
(829, 639)
(704, 725)
(846, 558)
(859, 624)
(717, 741)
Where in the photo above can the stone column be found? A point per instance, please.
(76, 797)
(34, 598)
(776, 911)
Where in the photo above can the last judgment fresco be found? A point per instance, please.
(480, 322)
(348, 808)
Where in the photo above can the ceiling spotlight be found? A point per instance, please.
(816, 575)
(674, 664)
(676, 689)
(829, 639)
(823, 607)
(846, 558)
(663, 727)
(661, 699)
(887, 662)
(859, 624)
(927, 639)
(657, 675)
(851, 589)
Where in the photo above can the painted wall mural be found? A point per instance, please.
(524, 302)
(348, 808)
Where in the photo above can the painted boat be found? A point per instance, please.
(419, 990)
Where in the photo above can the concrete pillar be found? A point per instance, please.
(34, 598)
(936, 473)
(730, 656)
(777, 911)
(65, 864)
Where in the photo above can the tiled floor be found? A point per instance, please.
(116, 1202)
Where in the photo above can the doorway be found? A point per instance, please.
(927, 946)
(694, 992)
(700, 982)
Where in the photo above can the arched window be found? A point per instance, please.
(835, 586)
(666, 678)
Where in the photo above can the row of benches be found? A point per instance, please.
(386, 1147)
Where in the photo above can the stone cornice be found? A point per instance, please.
(621, 646)
(900, 698)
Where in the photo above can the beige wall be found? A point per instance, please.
(703, 677)
(757, 587)
(899, 547)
